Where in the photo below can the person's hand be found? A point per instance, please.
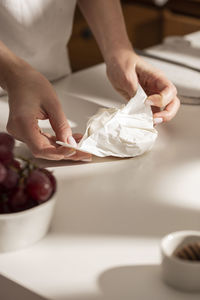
(32, 98)
(125, 69)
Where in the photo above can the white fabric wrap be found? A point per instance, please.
(124, 132)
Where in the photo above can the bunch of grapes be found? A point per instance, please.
(22, 184)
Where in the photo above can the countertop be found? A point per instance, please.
(111, 213)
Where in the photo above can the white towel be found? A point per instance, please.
(122, 132)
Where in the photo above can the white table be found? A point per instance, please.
(111, 213)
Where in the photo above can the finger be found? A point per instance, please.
(59, 123)
(124, 79)
(77, 155)
(131, 84)
(124, 94)
(164, 97)
(77, 137)
(169, 113)
(41, 145)
(52, 152)
(62, 151)
(128, 94)
(80, 156)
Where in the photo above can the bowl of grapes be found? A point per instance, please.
(27, 199)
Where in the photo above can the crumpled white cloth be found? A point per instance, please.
(122, 132)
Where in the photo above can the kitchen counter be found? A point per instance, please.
(111, 213)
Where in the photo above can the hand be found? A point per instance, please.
(32, 98)
(125, 69)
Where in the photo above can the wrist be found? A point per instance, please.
(120, 54)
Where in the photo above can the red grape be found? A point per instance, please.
(7, 140)
(4, 208)
(3, 172)
(11, 179)
(6, 155)
(51, 178)
(39, 186)
(18, 200)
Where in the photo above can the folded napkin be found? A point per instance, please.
(122, 132)
(190, 41)
(184, 50)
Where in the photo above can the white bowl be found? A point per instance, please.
(179, 273)
(22, 229)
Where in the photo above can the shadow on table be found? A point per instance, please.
(23, 151)
(91, 84)
(138, 282)
(142, 282)
(121, 199)
(11, 290)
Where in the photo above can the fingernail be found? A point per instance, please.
(70, 154)
(72, 141)
(158, 120)
(87, 159)
(150, 102)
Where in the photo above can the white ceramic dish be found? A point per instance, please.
(179, 273)
(22, 229)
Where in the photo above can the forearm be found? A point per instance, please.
(107, 23)
(10, 65)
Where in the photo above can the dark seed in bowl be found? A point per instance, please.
(189, 252)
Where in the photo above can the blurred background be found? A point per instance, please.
(148, 23)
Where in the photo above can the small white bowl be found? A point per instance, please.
(22, 229)
(179, 273)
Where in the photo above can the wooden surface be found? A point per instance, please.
(177, 24)
(187, 7)
(143, 26)
(147, 25)
(83, 49)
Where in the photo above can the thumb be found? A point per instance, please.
(129, 87)
(167, 94)
(132, 85)
(60, 124)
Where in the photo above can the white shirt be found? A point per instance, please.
(38, 31)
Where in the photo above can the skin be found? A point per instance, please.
(32, 97)
(124, 67)
(125, 74)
